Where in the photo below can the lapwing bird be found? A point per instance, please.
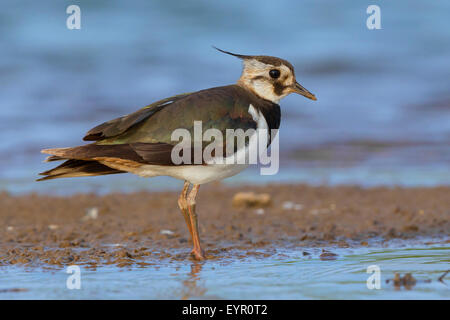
(141, 142)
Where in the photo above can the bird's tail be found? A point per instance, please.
(73, 167)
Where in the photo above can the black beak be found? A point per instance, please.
(297, 88)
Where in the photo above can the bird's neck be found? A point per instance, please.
(258, 88)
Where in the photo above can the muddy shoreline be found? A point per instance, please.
(140, 229)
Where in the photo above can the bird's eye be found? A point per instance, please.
(274, 73)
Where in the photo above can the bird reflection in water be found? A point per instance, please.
(191, 287)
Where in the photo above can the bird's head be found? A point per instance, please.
(270, 78)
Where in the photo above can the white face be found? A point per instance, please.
(268, 81)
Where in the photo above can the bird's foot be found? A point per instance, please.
(198, 254)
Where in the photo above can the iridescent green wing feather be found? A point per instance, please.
(120, 125)
(221, 108)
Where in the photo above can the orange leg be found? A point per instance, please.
(197, 252)
(182, 203)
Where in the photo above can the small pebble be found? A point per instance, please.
(327, 255)
(259, 211)
(91, 213)
(251, 200)
(289, 205)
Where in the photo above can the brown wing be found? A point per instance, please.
(145, 153)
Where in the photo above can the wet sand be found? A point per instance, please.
(142, 228)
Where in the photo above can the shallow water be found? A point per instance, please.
(286, 274)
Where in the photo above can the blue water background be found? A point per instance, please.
(383, 109)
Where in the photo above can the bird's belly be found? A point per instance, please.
(196, 174)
